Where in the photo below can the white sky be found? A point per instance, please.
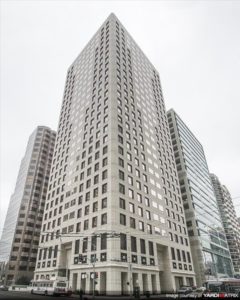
(195, 45)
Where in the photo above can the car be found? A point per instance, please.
(184, 290)
(197, 293)
(3, 288)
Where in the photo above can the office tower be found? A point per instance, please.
(211, 258)
(113, 186)
(20, 237)
(229, 219)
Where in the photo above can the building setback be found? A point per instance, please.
(229, 219)
(113, 180)
(211, 257)
(20, 238)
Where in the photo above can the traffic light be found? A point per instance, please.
(80, 258)
(96, 275)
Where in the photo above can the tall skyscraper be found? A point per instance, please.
(114, 196)
(20, 237)
(229, 219)
(211, 257)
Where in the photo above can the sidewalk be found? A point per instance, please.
(142, 297)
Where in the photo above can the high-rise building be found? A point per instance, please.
(229, 219)
(114, 196)
(211, 257)
(21, 232)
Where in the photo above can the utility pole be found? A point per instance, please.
(129, 264)
(94, 275)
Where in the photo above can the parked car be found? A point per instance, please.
(3, 288)
(184, 290)
(198, 293)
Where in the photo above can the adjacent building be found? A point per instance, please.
(114, 209)
(20, 237)
(211, 257)
(229, 219)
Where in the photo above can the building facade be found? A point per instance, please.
(20, 238)
(229, 219)
(211, 257)
(113, 181)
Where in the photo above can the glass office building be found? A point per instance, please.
(229, 219)
(20, 237)
(208, 242)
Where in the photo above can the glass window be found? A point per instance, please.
(122, 219)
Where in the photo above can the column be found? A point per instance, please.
(114, 282)
(140, 282)
(149, 283)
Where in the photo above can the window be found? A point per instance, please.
(178, 255)
(86, 225)
(104, 175)
(104, 162)
(78, 227)
(120, 150)
(103, 241)
(122, 219)
(130, 180)
(104, 188)
(104, 203)
(149, 228)
(129, 167)
(97, 155)
(120, 139)
(132, 222)
(88, 184)
(96, 179)
(79, 213)
(94, 222)
(104, 219)
(93, 243)
(95, 193)
(121, 162)
(122, 203)
(142, 246)
(95, 206)
(131, 208)
(150, 247)
(121, 188)
(173, 254)
(85, 245)
(77, 244)
(141, 225)
(121, 175)
(105, 149)
(148, 215)
(130, 193)
(123, 241)
(87, 197)
(133, 244)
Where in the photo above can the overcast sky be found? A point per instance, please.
(195, 46)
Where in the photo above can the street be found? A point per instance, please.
(9, 295)
(24, 296)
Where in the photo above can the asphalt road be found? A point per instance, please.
(9, 295)
(25, 296)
